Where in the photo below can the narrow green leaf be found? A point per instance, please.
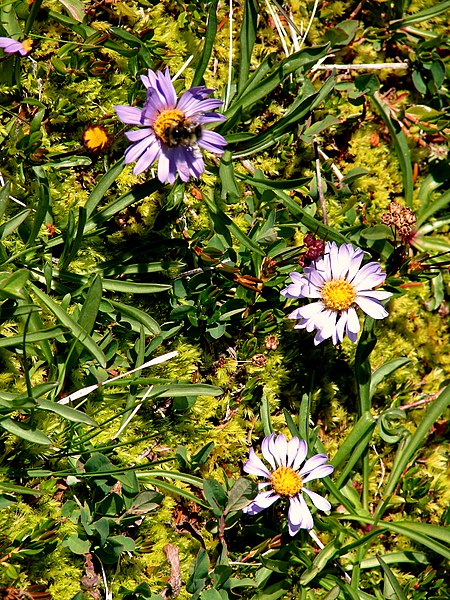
(360, 430)
(259, 88)
(4, 197)
(210, 36)
(220, 217)
(77, 331)
(430, 208)
(392, 579)
(35, 436)
(38, 336)
(265, 415)
(422, 15)
(384, 371)
(43, 204)
(7, 228)
(323, 231)
(400, 145)
(402, 459)
(230, 188)
(76, 416)
(138, 193)
(140, 316)
(103, 186)
(18, 489)
(247, 39)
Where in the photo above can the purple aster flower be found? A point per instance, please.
(339, 286)
(172, 129)
(11, 46)
(286, 479)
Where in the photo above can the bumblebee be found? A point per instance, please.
(182, 133)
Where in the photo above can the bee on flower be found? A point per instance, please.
(172, 129)
(286, 478)
(338, 285)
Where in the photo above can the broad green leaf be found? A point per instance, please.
(241, 493)
(12, 284)
(215, 495)
(76, 544)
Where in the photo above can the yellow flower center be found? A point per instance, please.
(338, 294)
(166, 122)
(286, 481)
(27, 44)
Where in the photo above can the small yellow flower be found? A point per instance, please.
(96, 138)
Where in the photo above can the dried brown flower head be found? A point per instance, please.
(400, 217)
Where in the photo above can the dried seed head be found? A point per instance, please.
(400, 217)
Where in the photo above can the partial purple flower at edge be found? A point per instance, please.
(338, 285)
(172, 129)
(286, 478)
(11, 46)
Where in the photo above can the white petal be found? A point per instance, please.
(372, 307)
(313, 462)
(280, 449)
(319, 501)
(352, 321)
(301, 455)
(292, 450)
(261, 502)
(319, 473)
(299, 516)
(255, 466)
(265, 449)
